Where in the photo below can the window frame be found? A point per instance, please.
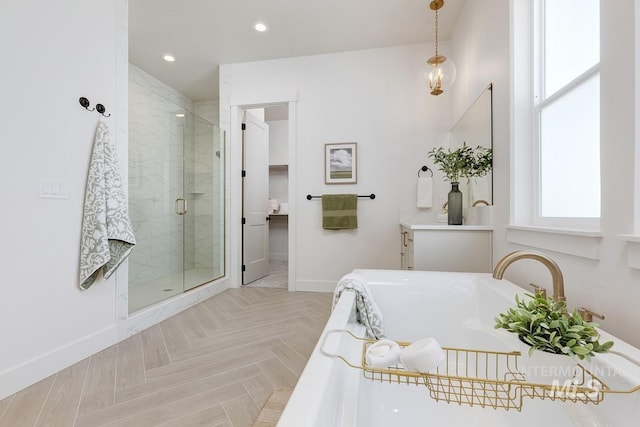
(540, 103)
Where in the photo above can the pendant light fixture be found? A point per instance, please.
(442, 70)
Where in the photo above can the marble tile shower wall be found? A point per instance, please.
(202, 191)
(210, 202)
(155, 176)
(201, 171)
(218, 202)
(188, 143)
(208, 110)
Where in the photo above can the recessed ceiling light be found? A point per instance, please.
(260, 27)
(168, 58)
(180, 115)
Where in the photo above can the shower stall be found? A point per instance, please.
(176, 198)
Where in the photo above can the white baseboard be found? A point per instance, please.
(31, 371)
(315, 286)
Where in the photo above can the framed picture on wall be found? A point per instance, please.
(341, 163)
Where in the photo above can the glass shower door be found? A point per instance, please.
(203, 173)
(155, 182)
(176, 199)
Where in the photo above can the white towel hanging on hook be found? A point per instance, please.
(425, 189)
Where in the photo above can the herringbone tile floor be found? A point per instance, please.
(214, 364)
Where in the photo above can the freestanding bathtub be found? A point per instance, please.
(458, 310)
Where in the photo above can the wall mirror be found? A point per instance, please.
(476, 129)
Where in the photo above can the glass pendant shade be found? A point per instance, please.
(441, 74)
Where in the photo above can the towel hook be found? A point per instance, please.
(85, 103)
(424, 169)
(100, 109)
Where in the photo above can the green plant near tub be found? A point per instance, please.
(464, 162)
(546, 324)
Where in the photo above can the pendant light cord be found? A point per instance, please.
(436, 32)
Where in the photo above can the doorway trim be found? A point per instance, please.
(237, 106)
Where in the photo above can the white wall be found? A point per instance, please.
(65, 50)
(372, 97)
(346, 97)
(481, 53)
(279, 188)
(278, 142)
(58, 52)
(607, 285)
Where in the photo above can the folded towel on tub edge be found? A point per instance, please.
(367, 312)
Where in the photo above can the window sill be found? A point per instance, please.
(632, 249)
(580, 243)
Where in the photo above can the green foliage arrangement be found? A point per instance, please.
(545, 324)
(464, 162)
(482, 161)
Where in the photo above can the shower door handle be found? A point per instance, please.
(184, 206)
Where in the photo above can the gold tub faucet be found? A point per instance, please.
(556, 274)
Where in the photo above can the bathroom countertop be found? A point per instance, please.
(441, 226)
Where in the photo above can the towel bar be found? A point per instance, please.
(368, 196)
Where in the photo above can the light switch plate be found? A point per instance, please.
(49, 188)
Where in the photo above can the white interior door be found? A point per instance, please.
(255, 231)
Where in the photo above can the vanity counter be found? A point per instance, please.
(442, 226)
(442, 247)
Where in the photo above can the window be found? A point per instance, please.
(567, 110)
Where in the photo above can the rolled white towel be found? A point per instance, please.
(383, 354)
(422, 356)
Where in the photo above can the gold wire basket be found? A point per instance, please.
(484, 378)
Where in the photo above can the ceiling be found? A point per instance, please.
(203, 34)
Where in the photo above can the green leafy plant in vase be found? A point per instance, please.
(453, 164)
(545, 324)
(463, 162)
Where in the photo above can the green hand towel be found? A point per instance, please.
(339, 211)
